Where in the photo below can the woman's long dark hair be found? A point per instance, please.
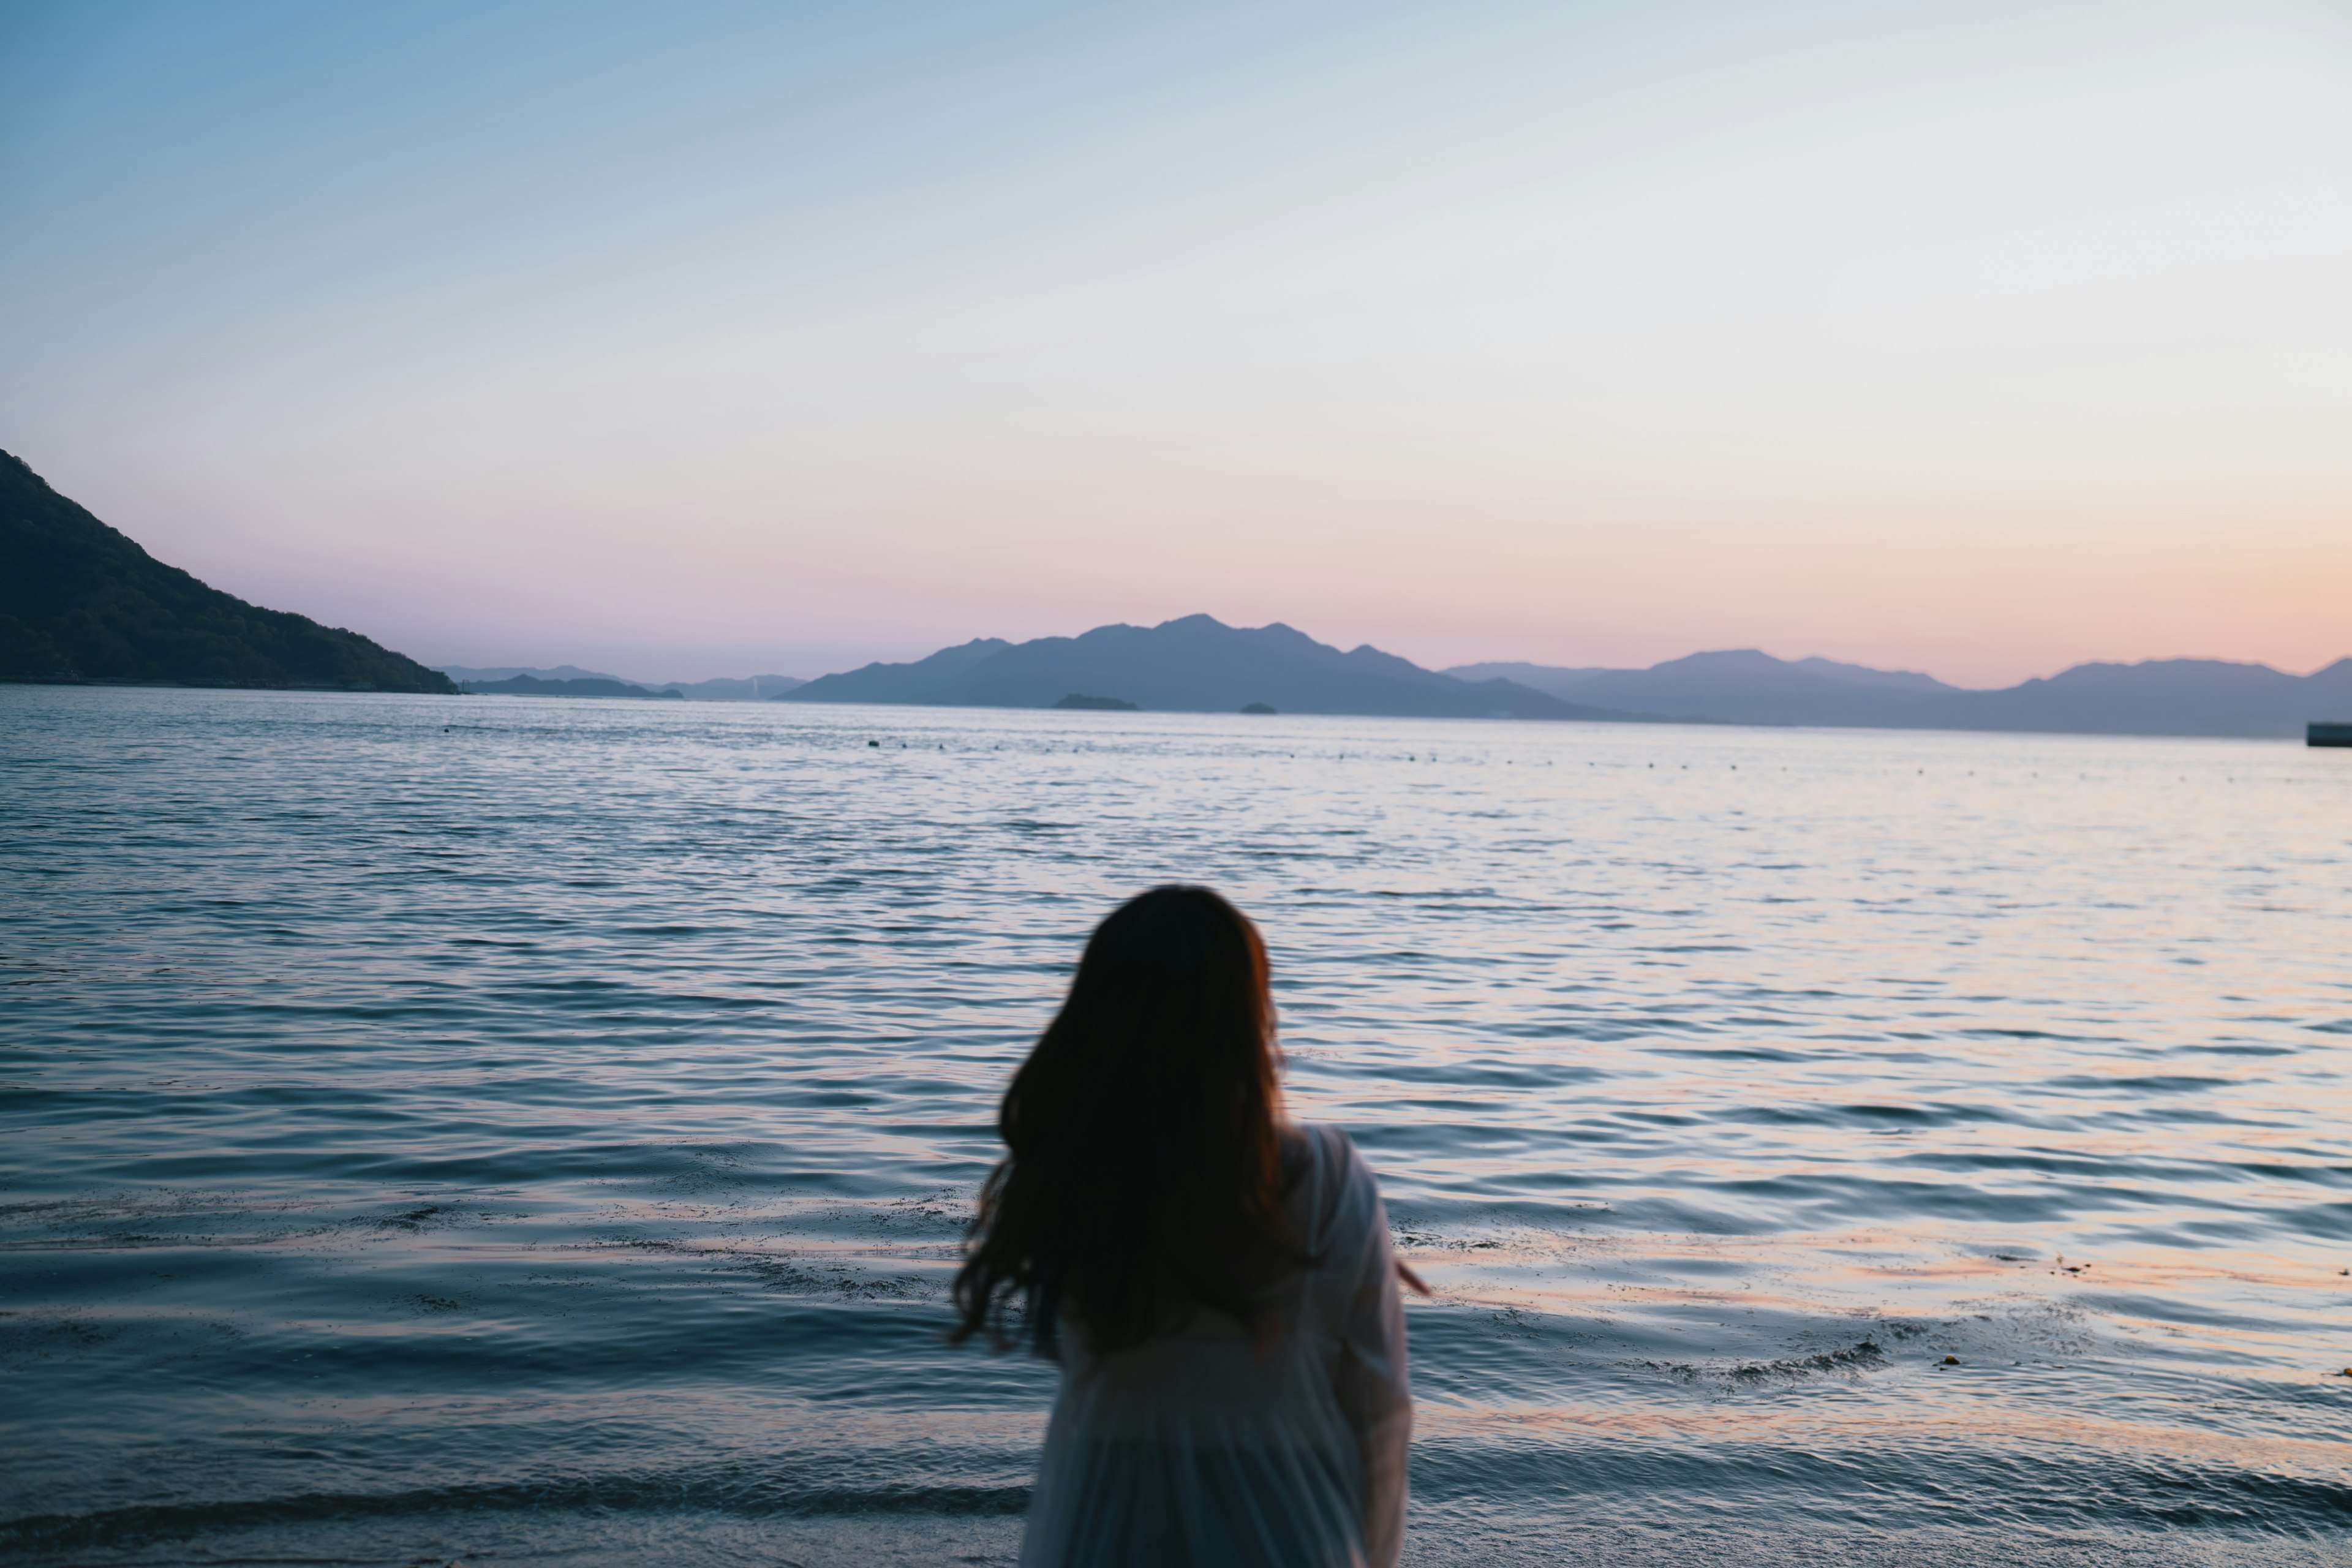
(1144, 1172)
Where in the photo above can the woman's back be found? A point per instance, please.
(1217, 1284)
(1221, 1442)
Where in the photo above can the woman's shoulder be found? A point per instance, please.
(1330, 1156)
(1337, 1150)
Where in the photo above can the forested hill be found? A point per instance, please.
(79, 601)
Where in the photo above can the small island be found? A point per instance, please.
(1106, 704)
(1259, 708)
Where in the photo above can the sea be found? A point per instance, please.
(503, 1130)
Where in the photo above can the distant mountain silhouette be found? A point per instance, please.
(915, 682)
(594, 686)
(462, 673)
(1864, 675)
(1747, 687)
(79, 601)
(1554, 679)
(2160, 697)
(1196, 665)
(743, 688)
(726, 689)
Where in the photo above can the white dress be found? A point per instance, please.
(1194, 1449)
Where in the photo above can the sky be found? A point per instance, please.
(1981, 338)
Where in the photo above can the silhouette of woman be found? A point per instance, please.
(1215, 1282)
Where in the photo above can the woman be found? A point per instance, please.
(1216, 1282)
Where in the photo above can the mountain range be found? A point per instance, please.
(2159, 697)
(79, 600)
(1197, 665)
(1200, 665)
(578, 682)
(532, 686)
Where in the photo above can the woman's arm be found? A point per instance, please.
(1374, 1387)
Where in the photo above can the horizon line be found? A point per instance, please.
(1439, 670)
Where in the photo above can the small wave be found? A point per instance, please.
(1866, 1356)
(2153, 1084)
(619, 1494)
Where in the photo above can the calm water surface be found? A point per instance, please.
(538, 1132)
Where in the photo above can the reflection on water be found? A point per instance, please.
(541, 1131)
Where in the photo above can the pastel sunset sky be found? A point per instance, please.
(1981, 337)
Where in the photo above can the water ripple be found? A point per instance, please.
(514, 1123)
